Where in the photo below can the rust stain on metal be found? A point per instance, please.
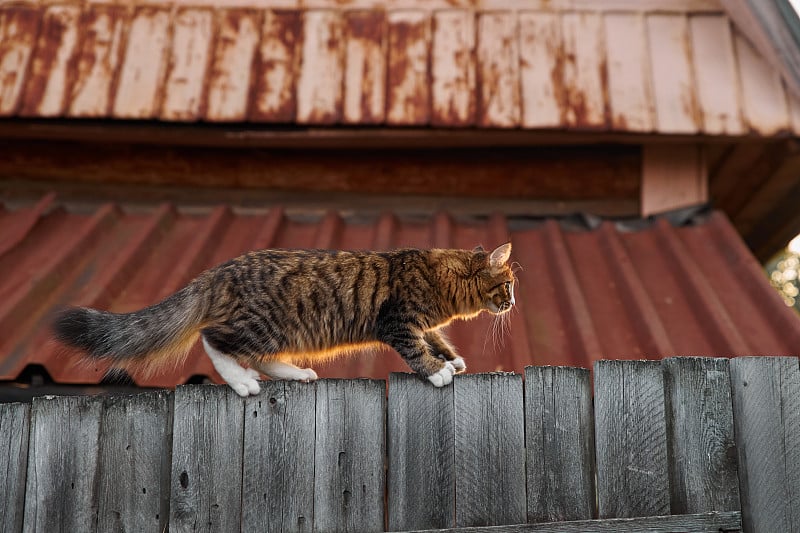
(453, 75)
(190, 55)
(19, 26)
(365, 67)
(104, 28)
(585, 78)
(230, 78)
(319, 87)
(498, 70)
(53, 63)
(408, 74)
(277, 67)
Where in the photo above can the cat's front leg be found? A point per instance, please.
(413, 348)
(445, 351)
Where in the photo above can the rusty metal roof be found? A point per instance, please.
(583, 294)
(661, 67)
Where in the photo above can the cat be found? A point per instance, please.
(272, 309)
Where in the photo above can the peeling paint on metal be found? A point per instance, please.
(277, 66)
(104, 27)
(19, 27)
(319, 87)
(229, 80)
(188, 64)
(541, 70)
(409, 77)
(145, 61)
(365, 67)
(453, 74)
(498, 70)
(585, 74)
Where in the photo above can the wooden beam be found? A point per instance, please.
(673, 176)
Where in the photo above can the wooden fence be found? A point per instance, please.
(712, 442)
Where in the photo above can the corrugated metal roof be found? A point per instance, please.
(567, 65)
(582, 295)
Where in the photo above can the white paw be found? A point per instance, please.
(307, 375)
(444, 376)
(245, 383)
(459, 364)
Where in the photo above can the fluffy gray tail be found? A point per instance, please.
(157, 333)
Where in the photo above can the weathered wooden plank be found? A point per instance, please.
(585, 77)
(631, 438)
(729, 522)
(14, 430)
(408, 91)
(703, 473)
(498, 70)
(133, 475)
(629, 92)
(673, 176)
(490, 447)
(715, 74)
(766, 409)
(421, 453)
(764, 103)
(677, 110)
(559, 444)
(365, 67)
(453, 68)
(53, 63)
(192, 36)
(61, 493)
(541, 58)
(19, 26)
(349, 477)
(229, 79)
(319, 86)
(103, 27)
(278, 458)
(206, 459)
(142, 70)
(277, 66)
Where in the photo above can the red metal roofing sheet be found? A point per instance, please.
(582, 294)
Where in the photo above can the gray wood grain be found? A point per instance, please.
(420, 445)
(278, 458)
(62, 464)
(134, 470)
(14, 430)
(718, 522)
(766, 408)
(489, 449)
(703, 473)
(631, 437)
(559, 444)
(349, 480)
(206, 482)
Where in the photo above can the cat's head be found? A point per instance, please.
(495, 278)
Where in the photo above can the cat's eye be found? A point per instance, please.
(507, 286)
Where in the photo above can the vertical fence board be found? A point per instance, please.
(348, 463)
(53, 62)
(278, 459)
(365, 67)
(206, 481)
(408, 98)
(498, 70)
(585, 78)
(453, 68)
(766, 408)
(62, 464)
(631, 437)
(490, 450)
(19, 26)
(559, 444)
(319, 87)
(703, 474)
(192, 37)
(541, 64)
(420, 435)
(14, 430)
(277, 67)
(630, 95)
(133, 474)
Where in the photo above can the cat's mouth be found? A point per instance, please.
(504, 307)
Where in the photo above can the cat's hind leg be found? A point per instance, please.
(284, 370)
(244, 381)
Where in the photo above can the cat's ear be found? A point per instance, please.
(478, 248)
(500, 255)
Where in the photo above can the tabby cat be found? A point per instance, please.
(271, 309)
